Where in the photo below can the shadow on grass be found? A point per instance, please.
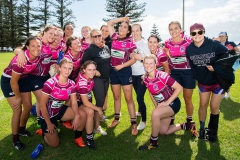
(213, 152)
(230, 109)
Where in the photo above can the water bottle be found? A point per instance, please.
(60, 56)
(33, 109)
(37, 150)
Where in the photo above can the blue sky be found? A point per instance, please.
(216, 16)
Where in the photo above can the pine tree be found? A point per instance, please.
(125, 8)
(63, 14)
(155, 31)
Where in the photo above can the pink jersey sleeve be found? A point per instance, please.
(48, 86)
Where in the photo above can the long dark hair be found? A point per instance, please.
(27, 42)
(64, 27)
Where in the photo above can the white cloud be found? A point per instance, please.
(212, 18)
(188, 3)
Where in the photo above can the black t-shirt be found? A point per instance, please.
(99, 55)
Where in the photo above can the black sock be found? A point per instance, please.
(202, 125)
(116, 116)
(15, 138)
(133, 121)
(89, 137)
(38, 120)
(78, 134)
(154, 140)
(189, 118)
(22, 129)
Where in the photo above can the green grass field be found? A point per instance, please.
(119, 144)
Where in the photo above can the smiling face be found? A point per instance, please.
(153, 44)
(75, 46)
(175, 30)
(58, 36)
(123, 29)
(96, 36)
(89, 71)
(85, 32)
(34, 48)
(149, 65)
(49, 35)
(68, 30)
(198, 39)
(136, 33)
(105, 32)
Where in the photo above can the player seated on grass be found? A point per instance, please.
(55, 92)
(165, 91)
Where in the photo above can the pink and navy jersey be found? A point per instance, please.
(84, 45)
(76, 63)
(84, 87)
(44, 65)
(161, 58)
(26, 68)
(160, 86)
(177, 51)
(58, 94)
(55, 51)
(121, 49)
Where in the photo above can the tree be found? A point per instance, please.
(155, 31)
(125, 8)
(63, 14)
(42, 15)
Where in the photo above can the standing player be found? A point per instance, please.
(86, 38)
(165, 91)
(138, 71)
(223, 38)
(100, 54)
(181, 72)
(120, 70)
(84, 85)
(68, 31)
(16, 88)
(55, 92)
(202, 54)
(41, 73)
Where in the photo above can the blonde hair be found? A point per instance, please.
(175, 22)
(94, 30)
(65, 60)
(47, 28)
(150, 56)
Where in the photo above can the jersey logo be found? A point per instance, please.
(155, 87)
(182, 49)
(124, 44)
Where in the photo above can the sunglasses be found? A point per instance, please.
(97, 36)
(199, 33)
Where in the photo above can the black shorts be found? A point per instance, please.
(184, 77)
(100, 90)
(123, 76)
(54, 119)
(23, 84)
(79, 103)
(175, 105)
(36, 82)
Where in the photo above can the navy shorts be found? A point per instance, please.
(175, 105)
(54, 120)
(123, 76)
(214, 88)
(7, 89)
(184, 77)
(36, 82)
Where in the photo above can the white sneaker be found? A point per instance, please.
(99, 130)
(227, 95)
(138, 114)
(141, 126)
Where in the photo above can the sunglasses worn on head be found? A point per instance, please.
(199, 33)
(97, 36)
